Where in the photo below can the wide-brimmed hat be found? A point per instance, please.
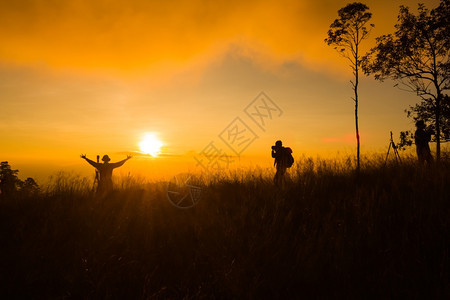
(420, 124)
(106, 158)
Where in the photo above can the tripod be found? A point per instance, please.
(394, 148)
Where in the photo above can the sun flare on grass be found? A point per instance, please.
(150, 144)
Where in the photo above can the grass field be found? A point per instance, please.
(327, 234)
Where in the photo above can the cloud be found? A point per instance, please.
(142, 35)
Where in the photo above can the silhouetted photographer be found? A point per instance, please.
(283, 160)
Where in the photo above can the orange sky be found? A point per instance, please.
(94, 76)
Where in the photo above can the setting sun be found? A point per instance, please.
(150, 144)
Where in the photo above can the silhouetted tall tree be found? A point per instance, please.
(417, 56)
(346, 34)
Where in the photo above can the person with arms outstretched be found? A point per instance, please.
(105, 170)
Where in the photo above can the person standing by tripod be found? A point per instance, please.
(421, 138)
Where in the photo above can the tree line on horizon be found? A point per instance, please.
(415, 56)
(10, 183)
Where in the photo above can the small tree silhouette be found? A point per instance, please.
(9, 182)
(29, 187)
(346, 34)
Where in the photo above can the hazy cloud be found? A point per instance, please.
(143, 35)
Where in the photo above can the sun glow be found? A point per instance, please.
(150, 144)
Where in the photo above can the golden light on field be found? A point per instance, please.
(150, 144)
(73, 73)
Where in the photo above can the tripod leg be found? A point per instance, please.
(387, 154)
(397, 156)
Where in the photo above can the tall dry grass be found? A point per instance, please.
(327, 234)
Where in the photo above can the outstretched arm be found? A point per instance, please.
(120, 163)
(91, 162)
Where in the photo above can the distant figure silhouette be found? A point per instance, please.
(105, 169)
(421, 139)
(283, 160)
